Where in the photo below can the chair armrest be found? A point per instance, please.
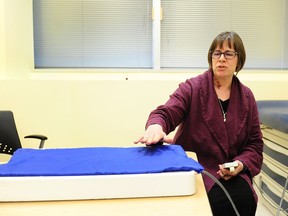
(38, 136)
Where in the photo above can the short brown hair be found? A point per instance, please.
(234, 41)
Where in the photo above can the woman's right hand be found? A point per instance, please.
(153, 134)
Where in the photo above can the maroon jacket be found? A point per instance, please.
(194, 107)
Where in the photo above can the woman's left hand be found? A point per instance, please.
(226, 174)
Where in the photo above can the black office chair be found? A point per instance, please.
(9, 138)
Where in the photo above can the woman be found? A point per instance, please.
(218, 120)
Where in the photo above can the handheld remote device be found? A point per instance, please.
(231, 166)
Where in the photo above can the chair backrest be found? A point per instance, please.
(9, 138)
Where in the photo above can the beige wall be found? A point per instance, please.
(89, 107)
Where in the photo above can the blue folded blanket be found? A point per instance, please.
(98, 161)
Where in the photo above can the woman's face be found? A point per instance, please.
(223, 67)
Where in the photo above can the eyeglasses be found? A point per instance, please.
(216, 54)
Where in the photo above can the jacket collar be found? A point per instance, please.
(225, 133)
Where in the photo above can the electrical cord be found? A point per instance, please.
(267, 200)
(282, 197)
(223, 188)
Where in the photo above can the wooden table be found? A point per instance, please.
(196, 204)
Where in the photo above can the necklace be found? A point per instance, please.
(222, 110)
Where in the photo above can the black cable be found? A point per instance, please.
(223, 188)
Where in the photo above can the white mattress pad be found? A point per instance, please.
(96, 187)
